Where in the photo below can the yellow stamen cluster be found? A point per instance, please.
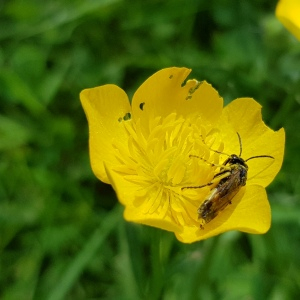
(160, 161)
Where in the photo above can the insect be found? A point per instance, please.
(232, 177)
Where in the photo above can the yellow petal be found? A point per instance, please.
(132, 214)
(249, 212)
(104, 106)
(288, 13)
(164, 93)
(244, 117)
(127, 194)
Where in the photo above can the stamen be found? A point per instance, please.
(158, 159)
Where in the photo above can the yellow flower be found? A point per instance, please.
(153, 151)
(288, 13)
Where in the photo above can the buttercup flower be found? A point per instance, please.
(157, 151)
(288, 13)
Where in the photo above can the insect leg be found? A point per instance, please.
(212, 164)
(197, 187)
(213, 150)
(216, 178)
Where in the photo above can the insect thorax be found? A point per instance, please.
(235, 160)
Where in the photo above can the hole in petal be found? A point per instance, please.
(184, 82)
(142, 105)
(193, 89)
(126, 117)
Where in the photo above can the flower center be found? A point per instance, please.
(163, 160)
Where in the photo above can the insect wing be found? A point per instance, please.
(221, 196)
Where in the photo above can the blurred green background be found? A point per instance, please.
(62, 235)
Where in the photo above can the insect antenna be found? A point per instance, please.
(240, 142)
(259, 156)
(213, 150)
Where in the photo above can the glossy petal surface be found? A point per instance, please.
(104, 106)
(249, 212)
(244, 117)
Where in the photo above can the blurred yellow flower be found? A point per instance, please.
(152, 150)
(288, 13)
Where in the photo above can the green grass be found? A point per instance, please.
(62, 235)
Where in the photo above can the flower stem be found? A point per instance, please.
(202, 274)
(156, 280)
